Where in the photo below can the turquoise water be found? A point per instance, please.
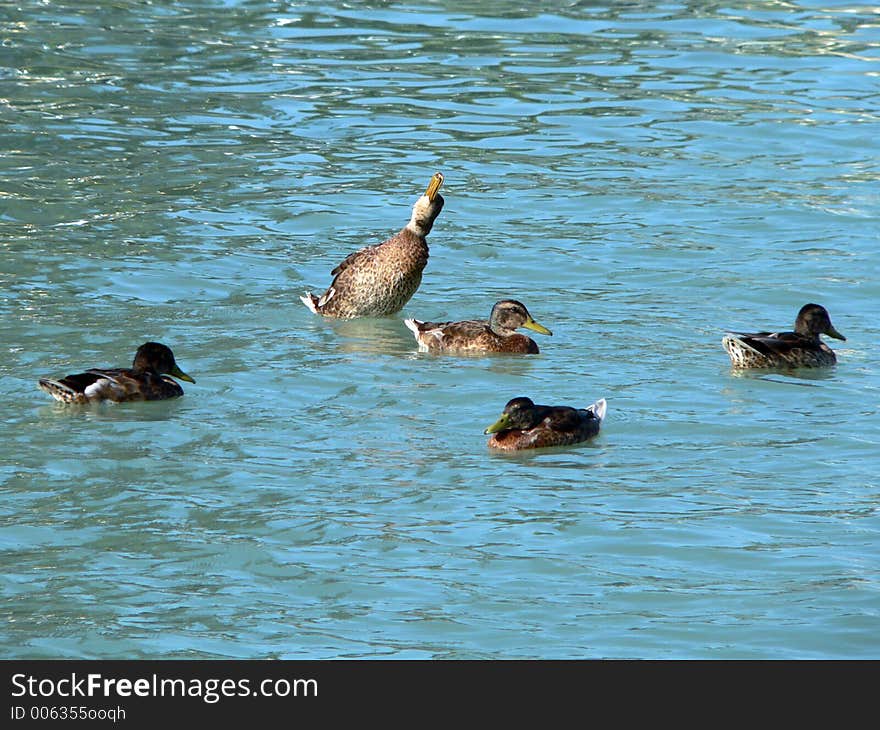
(643, 176)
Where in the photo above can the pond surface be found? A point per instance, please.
(643, 176)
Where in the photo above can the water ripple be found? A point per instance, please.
(644, 177)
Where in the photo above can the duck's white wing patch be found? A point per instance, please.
(105, 387)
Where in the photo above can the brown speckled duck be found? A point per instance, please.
(524, 425)
(497, 334)
(799, 349)
(379, 280)
(146, 379)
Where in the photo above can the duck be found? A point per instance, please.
(524, 425)
(379, 280)
(146, 379)
(799, 349)
(496, 334)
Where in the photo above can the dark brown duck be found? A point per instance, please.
(146, 379)
(799, 349)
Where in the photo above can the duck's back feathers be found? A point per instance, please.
(362, 257)
(375, 281)
(92, 385)
(776, 349)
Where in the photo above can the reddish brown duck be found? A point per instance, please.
(524, 425)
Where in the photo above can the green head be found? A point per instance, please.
(518, 414)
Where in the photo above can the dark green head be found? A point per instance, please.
(519, 413)
(158, 357)
(813, 320)
(509, 315)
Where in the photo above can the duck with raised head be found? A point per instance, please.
(496, 334)
(799, 349)
(524, 425)
(147, 379)
(379, 280)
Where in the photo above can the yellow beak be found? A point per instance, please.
(180, 375)
(434, 186)
(532, 325)
(500, 425)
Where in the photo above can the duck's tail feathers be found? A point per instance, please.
(60, 391)
(598, 409)
(316, 304)
(738, 341)
(425, 337)
(311, 301)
